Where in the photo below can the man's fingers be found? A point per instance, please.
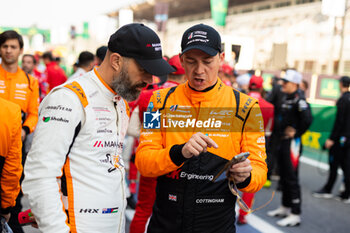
(201, 143)
(193, 150)
(210, 142)
(197, 146)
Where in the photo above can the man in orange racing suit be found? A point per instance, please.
(15, 85)
(21, 89)
(189, 134)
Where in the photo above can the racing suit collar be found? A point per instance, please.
(205, 90)
(103, 85)
(197, 96)
(9, 75)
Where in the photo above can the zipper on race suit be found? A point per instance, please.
(122, 214)
(120, 168)
(198, 112)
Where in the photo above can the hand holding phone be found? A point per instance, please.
(236, 159)
(240, 171)
(239, 158)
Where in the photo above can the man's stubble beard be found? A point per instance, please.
(10, 61)
(123, 86)
(28, 71)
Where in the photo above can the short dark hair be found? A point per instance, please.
(85, 58)
(11, 34)
(31, 56)
(345, 81)
(101, 52)
(48, 55)
(306, 84)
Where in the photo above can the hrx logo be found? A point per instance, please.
(89, 211)
(151, 120)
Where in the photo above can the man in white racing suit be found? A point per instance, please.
(78, 142)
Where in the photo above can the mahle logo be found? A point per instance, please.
(46, 119)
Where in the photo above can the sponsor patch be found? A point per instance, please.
(53, 118)
(115, 161)
(261, 140)
(110, 210)
(150, 107)
(105, 144)
(101, 109)
(59, 108)
(192, 176)
(173, 108)
(104, 130)
(159, 99)
(172, 197)
(21, 86)
(89, 211)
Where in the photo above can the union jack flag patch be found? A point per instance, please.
(172, 197)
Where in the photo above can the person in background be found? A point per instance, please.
(54, 73)
(243, 82)
(57, 60)
(100, 55)
(304, 85)
(147, 186)
(10, 156)
(22, 89)
(85, 64)
(225, 74)
(75, 67)
(175, 78)
(338, 145)
(275, 96)
(267, 110)
(294, 119)
(186, 159)
(29, 63)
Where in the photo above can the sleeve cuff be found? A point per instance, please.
(244, 183)
(26, 129)
(5, 210)
(176, 154)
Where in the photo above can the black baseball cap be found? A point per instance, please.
(138, 41)
(202, 37)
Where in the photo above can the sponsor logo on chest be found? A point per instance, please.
(105, 144)
(21, 85)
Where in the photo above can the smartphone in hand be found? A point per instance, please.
(239, 158)
(236, 159)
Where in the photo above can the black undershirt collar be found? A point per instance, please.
(205, 90)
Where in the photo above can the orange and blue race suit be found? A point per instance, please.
(187, 199)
